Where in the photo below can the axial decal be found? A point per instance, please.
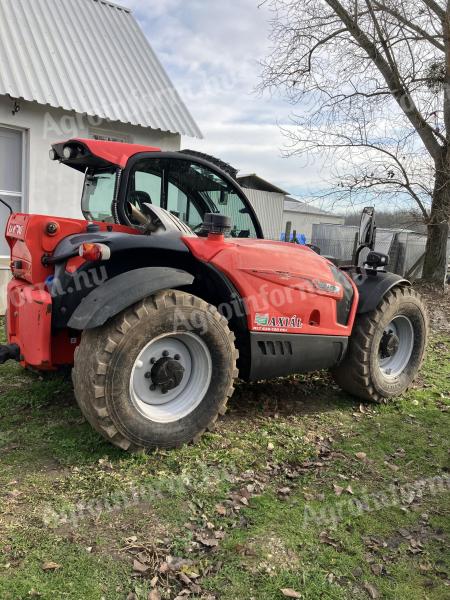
(277, 324)
(286, 322)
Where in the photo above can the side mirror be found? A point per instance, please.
(367, 228)
(314, 248)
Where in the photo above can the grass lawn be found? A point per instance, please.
(300, 489)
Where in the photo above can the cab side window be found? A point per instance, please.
(189, 190)
(204, 187)
(179, 204)
(148, 183)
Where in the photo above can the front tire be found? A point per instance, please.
(157, 375)
(386, 349)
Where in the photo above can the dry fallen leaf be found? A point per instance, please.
(372, 591)
(208, 542)
(221, 510)
(196, 589)
(361, 455)
(392, 467)
(163, 568)
(338, 489)
(184, 578)
(139, 567)
(376, 569)
(50, 566)
(290, 593)
(270, 447)
(154, 595)
(326, 539)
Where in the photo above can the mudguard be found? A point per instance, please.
(373, 287)
(120, 292)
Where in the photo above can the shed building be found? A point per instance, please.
(268, 201)
(303, 216)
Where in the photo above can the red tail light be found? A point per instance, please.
(95, 252)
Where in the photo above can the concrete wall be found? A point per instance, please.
(51, 188)
(303, 222)
(269, 209)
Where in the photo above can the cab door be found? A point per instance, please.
(189, 187)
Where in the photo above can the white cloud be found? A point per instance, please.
(211, 51)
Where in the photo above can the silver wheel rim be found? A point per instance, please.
(153, 400)
(401, 331)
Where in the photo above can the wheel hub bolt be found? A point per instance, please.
(177, 357)
(153, 387)
(164, 391)
(148, 375)
(165, 353)
(152, 361)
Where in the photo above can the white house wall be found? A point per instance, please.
(49, 187)
(269, 209)
(303, 223)
(53, 188)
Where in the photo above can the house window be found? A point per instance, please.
(11, 177)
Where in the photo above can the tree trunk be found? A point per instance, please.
(436, 259)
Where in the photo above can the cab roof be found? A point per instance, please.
(98, 153)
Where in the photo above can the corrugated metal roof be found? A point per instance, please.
(293, 205)
(255, 182)
(87, 56)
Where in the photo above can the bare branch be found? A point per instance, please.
(401, 95)
(433, 39)
(434, 6)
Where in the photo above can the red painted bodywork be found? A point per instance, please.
(115, 153)
(276, 281)
(29, 302)
(285, 288)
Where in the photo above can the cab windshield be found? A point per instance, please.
(98, 195)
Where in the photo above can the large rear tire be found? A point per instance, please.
(386, 349)
(157, 375)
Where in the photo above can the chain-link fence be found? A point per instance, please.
(406, 249)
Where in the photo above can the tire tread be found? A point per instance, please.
(92, 361)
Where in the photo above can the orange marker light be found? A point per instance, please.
(95, 252)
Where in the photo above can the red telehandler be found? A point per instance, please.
(165, 294)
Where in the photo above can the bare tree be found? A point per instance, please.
(370, 80)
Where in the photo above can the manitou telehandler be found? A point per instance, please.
(164, 295)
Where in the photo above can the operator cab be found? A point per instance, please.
(122, 187)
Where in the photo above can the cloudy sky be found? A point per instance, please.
(211, 49)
